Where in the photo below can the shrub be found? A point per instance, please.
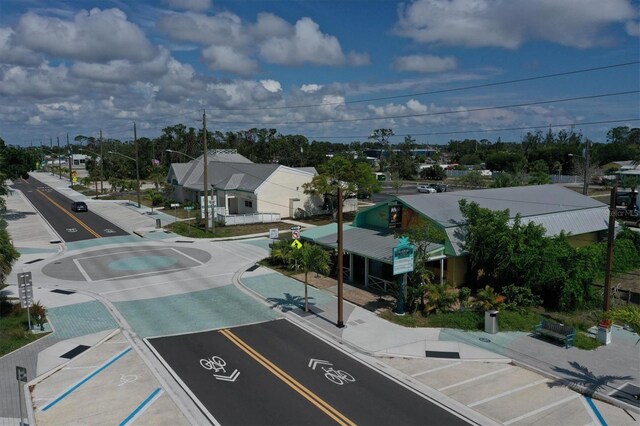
(464, 320)
(520, 297)
(487, 299)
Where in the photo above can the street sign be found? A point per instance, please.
(274, 233)
(403, 255)
(25, 289)
(296, 228)
(188, 208)
(295, 235)
(296, 244)
(21, 374)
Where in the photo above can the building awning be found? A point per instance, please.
(373, 243)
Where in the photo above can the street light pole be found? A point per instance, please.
(135, 142)
(101, 165)
(205, 178)
(585, 186)
(171, 151)
(70, 162)
(340, 322)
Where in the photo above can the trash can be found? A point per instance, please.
(158, 224)
(604, 332)
(491, 322)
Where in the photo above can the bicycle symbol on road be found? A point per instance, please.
(218, 365)
(72, 230)
(338, 377)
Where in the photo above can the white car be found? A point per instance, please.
(426, 189)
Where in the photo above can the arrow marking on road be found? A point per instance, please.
(231, 378)
(315, 362)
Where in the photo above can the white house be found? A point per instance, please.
(240, 187)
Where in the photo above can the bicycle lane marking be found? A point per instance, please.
(290, 381)
(355, 389)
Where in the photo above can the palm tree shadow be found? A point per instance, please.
(289, 302)
(586, 379)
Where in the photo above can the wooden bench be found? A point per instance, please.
(557, 331)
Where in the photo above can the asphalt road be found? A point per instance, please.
(274, 373)
(55, 208)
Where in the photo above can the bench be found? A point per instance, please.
(557, 331)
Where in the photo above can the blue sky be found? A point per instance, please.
(327, 69)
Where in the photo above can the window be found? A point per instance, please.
(248, 203)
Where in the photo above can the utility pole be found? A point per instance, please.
(101, 165)
(70, 162)
(340, 323)
(135, 142)
(585, 186)
(59, 165)
(613, 212)
(205, 177)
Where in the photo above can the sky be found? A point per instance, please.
(331, 70)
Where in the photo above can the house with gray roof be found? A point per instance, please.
(555, 207)
(237, 186)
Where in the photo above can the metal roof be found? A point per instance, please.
(573, 223)
(527, 201)
(374, 243)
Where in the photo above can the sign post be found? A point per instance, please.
(25, 293)
(403, 257)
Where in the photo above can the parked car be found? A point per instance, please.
(426, 189)
(439, 187)
(79, 206)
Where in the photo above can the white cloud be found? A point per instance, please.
(94, 36)
(228, 59)
(195, 5)
(425, 63)
(15, 55)
(271, 85)
(509, 24)
(224, 29)
(633, 28)
(305, 44)
(41, 82)
(310, 88)
(123, 71)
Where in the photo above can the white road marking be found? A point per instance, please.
(188, 257)
(82, 271)
(509, 392)
(165, 282)
(436, 369)
(482, 376)
(541, 409)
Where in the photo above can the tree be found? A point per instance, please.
(473, 179)
(352, 176)
(539, 173)
(434, 172)
(310, 258)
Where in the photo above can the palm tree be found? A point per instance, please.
(309, 258)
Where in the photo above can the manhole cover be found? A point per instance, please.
(484, 339)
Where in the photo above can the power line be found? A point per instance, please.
(435, 92)
(428, 114)
(454, 132)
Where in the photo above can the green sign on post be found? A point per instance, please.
(403, 255)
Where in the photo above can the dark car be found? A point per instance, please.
(79, 206)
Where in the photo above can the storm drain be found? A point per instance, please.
(75, 351)
(253, 268)
(442, 354)
(66, 292)
(32, 261)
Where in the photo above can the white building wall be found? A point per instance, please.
(285, 184)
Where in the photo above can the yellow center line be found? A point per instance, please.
(290, 381)
(81, 223)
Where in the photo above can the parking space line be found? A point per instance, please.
(442, 367)
(541, 409)
(482, 376)
(509, 392)
(142, 407)
(329, 410)
(85, 380)
(593, 411)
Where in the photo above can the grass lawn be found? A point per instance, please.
(13, 332)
